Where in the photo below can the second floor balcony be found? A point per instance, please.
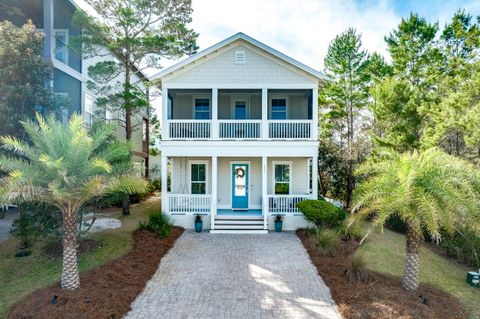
(239, 114)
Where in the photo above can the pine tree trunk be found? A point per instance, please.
(126, 205)
(70, 275)
(412, 261)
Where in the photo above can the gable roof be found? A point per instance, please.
(319, 75)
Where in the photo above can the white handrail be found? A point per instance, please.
(189, 129)
(285, 204)
(289, 129)
(189, 203)
(239, 129)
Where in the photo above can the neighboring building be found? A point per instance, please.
(70, 70)
(239, 129)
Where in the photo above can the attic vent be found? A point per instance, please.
(239, 57)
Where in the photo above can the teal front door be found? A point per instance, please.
(240, 180)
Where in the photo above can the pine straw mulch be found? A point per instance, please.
(382, 296)
(105, 292)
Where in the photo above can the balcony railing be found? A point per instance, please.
(189, 129)
(285, 204)
(189, 203)
(235, 129)
(240, 129)
(289, 129)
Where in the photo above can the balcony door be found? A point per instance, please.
(240, 110)
(240, 179)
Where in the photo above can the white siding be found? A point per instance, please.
(220, 70)
(180, 177)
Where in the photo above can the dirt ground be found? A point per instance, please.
(105, 292)
(382, 296)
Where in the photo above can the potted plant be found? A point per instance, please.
(198, 223)
(278, 223)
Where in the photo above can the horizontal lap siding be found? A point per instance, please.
(258, 69)
(298, 174)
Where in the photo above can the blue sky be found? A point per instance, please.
(304, 28)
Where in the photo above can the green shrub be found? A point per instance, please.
(356, 269)
(157, 184)
(158, 223)
(465, 247)
(327, 241)
(37, 221)
(396, 224)
(322, 213)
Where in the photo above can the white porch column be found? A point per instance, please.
(213, 211)
(315, 114)
(264, 114)
(48, 28)
(165, 129)
(164, 184)
(214, 131)
(315, 176)
(264, 193)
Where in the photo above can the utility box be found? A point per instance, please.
(473, 279)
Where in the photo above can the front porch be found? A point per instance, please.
(237, 193)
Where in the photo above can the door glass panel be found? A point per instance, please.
(240, 110)
(240, 180)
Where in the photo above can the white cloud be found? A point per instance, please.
(301, 29)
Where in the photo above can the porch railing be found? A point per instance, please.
(189, 129)
(285, 204)
(239, 129)
(289, 129)
(189, 203)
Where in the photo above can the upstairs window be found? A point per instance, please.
(202, 109)
(198, 178)
(89, 105)
(61, 45)
(282, 178)
(279, 109)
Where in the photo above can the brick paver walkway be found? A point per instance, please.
(235, 276)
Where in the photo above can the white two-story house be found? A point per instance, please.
(239, 136)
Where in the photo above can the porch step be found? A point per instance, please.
(239, 222)
(238, 231)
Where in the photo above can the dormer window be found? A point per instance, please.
(239, 57)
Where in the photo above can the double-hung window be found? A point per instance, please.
(202, 109)
(279, 109)
(282, 178)
(198, 178)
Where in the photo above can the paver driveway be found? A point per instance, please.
(235, 276)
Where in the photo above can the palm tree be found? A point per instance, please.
(65, 167)
(428, 190)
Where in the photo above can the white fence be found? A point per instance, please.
(189, 129)
(289, 129)
(189, 203)
(235, 129)
(285, 204)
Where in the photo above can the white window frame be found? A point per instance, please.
(67, 41)
(271, 106)
(107, 112)
(85, 95)
(309, 187)
(290, 165)
(207, 174)
(209, 107)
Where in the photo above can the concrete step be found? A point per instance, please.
(238, 231)
(238, 222)
(235, 226)
(238, 217)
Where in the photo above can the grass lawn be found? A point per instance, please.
(21, 276)
(386, 253)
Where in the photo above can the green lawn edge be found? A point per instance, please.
(21, 276)
(386, 253)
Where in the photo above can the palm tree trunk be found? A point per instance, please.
(412, 261)
(70, 276)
